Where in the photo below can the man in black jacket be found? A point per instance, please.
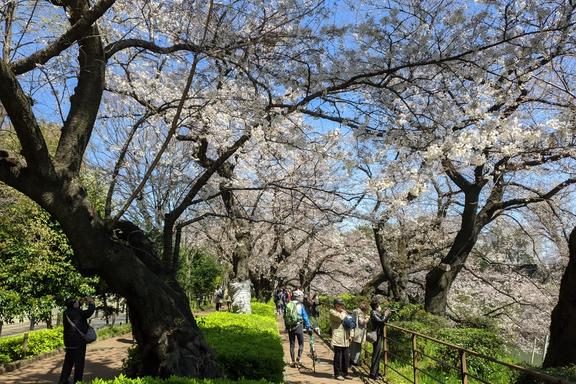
(74, 342)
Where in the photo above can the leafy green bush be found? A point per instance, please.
(39, 342)
(245, 345)
(484, 341)
(262, 309)
(113, 331)
(175, 380)
(567, 373)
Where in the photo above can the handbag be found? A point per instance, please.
(371, 336)
(90, 335)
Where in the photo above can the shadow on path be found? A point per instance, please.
(103, 360)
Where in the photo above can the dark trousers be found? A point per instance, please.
(341, 358)
(218, 306)
(377, 356)
(74, 358)
(297, 332)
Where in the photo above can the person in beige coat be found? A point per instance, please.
(340, 340)
(359, 333)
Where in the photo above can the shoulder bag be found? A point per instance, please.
(89, 336)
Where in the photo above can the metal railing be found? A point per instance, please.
(465, 375)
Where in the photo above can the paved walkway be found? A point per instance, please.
(103, 360)
(305, 375)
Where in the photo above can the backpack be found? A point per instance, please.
(291, 316)
(349, 322)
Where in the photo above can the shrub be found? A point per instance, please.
(567, 373)
(113, 331)
(245, 345)
(42, 341)
(484, 341)
(262, 309)
(175, 380)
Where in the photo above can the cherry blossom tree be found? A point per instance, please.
(226, 74)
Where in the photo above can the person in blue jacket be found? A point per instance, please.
(295, 326)
(75, 319)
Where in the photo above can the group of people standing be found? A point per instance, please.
(346, 340)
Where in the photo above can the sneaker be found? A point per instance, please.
(292, 365)
(341, 378)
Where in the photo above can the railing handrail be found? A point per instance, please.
(532, 372)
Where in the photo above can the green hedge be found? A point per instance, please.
(175, 380)
(246, 346)
(45, 340)
(262, 309)
(42, 341)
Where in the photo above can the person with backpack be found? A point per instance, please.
(295, 319)
(377, 321)
(340, 323)
(359, 333)
(75, 321)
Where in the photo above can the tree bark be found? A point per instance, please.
(440, 278)
(396, 280)
(562, 347)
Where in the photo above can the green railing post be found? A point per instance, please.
(414, 359)
(463, 367)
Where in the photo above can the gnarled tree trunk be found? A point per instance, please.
(562, 347)
(396, 280)
(169, 340)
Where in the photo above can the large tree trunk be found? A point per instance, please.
(562, 347)
(396, 280)
(240, 286)
(440, 278)
(168, 338)
(163, 325)
(263, 286)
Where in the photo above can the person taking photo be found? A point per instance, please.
(75, 320)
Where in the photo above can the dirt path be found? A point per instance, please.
(324, 369)
(103, 360)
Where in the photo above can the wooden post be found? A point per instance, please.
(25, 345)
(385, 346)
(463, 367)
(414, 359)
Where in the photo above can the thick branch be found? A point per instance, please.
(519, 202)
(85, 102)
(119, 45)
(80, 28)
(19, 109)
(455, 176)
